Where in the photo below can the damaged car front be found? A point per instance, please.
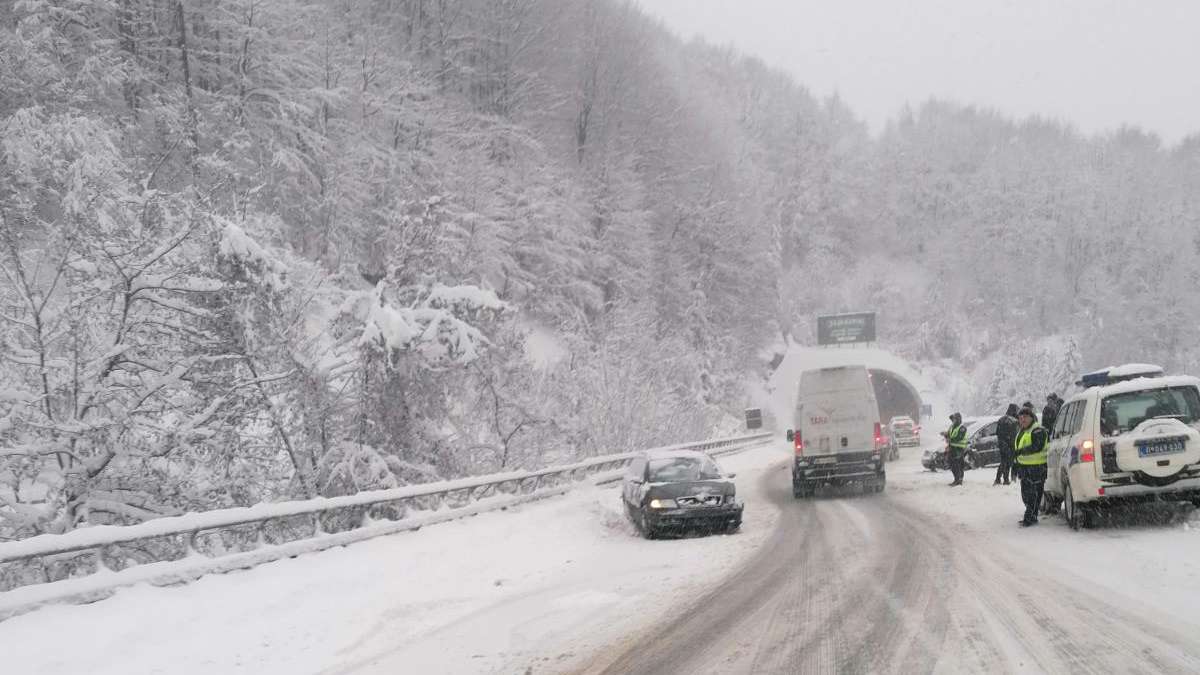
(679, 492)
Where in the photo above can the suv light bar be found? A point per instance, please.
(1114, 374)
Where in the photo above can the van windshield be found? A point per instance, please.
(1122, 412)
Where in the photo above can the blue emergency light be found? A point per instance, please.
(1114, 374)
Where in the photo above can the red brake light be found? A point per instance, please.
(799, 444)
(878, 434)
(1087, 451)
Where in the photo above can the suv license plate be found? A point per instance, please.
(825, 460)
(1161, 448)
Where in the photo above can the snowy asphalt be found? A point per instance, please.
(852, 584)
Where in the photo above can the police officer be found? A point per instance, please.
(956, 447)
(1030, 447)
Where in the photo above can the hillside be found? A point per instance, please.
(265, 248)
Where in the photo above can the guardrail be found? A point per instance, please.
(89, 563)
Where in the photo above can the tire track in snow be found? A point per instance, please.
(858, 585)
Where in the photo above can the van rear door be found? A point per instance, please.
(838, 411)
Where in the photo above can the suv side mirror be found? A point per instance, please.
(731, 476)
(791, 435)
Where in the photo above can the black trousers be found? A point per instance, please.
(957, 464)
(1006, 465)
(1033, 483)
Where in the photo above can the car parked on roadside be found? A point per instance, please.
(677, 491)
(983, 448)
(1131, 435)
(904, 431)
(890, 449)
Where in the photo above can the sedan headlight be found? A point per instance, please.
(662, 503)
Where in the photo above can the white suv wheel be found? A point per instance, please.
(1077, 516)
(1070, 511)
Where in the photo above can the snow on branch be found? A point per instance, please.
(240, 248)
(432, 324)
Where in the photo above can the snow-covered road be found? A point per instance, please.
(925, 578)
(539, 587)
(921, 578)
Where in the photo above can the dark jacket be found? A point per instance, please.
(1049, 415)
(1006, 432)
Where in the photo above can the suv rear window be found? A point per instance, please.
(1122, 412)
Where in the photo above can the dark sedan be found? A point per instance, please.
(679, 491)
(983, 448)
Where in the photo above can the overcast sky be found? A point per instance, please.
(1095, 63)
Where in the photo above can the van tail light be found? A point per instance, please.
(1087, 451)
(799, 441)
(878, 435)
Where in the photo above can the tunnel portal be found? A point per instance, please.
(895, 395)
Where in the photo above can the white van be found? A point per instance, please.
(838, 438)
(1132, 435)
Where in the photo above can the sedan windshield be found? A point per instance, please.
(1123, 412)
(678, 469)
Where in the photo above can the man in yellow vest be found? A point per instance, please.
(956, 447)
(1030, 449)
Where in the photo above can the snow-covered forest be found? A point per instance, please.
(262, 249)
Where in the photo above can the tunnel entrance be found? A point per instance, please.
(895, 396)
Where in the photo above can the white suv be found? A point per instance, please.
(1131, 435)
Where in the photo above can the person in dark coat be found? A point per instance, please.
(1050, 412)
(956, 447)
(1006, 435)
(1031, 457)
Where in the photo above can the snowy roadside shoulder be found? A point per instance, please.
(615, 585)
(534, 587)
(1149, 554)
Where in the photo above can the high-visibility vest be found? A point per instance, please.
(957, 436)
(1024, 440)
